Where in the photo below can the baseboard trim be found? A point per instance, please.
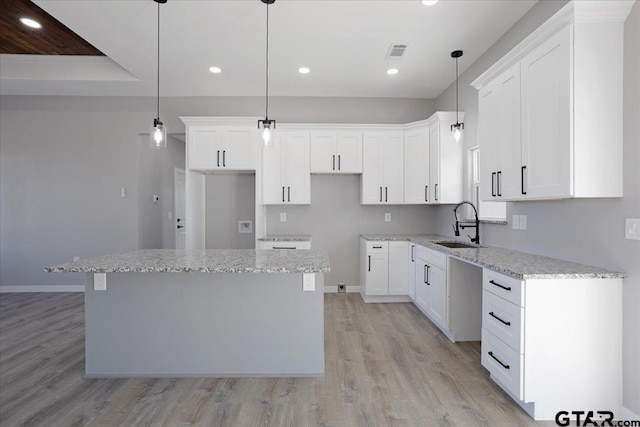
(627, 415)
(353, 289)
(62, 288)
(331, 289)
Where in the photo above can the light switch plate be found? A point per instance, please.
(523, 222)
(387, 217)
(308, 282)
(100, 281)
(632, 228)
(123, 192)
(515, 222)
(283, 217)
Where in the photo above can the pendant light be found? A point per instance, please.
(267, 124)
(457, 127)
(158, 131)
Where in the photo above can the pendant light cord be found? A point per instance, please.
(457, 121)
(158, 80)
(266, 113)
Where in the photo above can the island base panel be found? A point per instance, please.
(204, 325)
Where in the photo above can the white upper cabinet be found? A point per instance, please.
(416, 165)
(445, 159)
(286, 177)
(382, 168)
(551, 109)
(216, 147)
(336, 152)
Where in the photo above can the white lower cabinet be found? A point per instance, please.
(411, 279)
(384, 276)
(430, 282)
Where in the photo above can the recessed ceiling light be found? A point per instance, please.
(304, 70)
(215, 70)
(30, 23)
(392, 71)
(429, 2)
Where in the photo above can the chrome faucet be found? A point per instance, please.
(463, 225)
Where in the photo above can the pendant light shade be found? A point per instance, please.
(458, 127)
(267, 125)
(158, 132)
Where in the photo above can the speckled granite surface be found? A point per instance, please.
(520, 265)
(202, 261)
(286, 238)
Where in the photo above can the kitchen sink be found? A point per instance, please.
(457, 245)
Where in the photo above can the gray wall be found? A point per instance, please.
(229, 199)
(155, 177)
(335, 219)
(585, 231)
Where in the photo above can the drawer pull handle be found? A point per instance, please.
(506, 288)
(496, 317)
(498, 360)
(284, 247)
(377, 247)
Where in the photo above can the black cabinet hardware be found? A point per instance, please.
(333, 162)
(288, 194)
(284, 247)
(218, 156)
(426, 193)
(224, 158)
(499, 361)
(412, 248)
(501, 320)
(180, 226)
(506, 288)
(380, 194)
(424, 274)
(283, 194)
(499, 183)
(369, 262)
(178, 220)
(522, 169)
(386, 194)
(428, 270)
(339, 168)
(435, 190)
(377, 247)
(493, 181)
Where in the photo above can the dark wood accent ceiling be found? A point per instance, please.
(52, 39)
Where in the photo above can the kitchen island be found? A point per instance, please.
(204, 313)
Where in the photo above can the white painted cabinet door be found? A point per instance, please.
(547, 118)
(348, 152)
(273, 186)
(416, 166)
(412, 271)
(377, 273)
(323, 152)
(239, 147)
(489, 138)
(371, 191)
(508, 154)
(296, 165)
(391, 152)
(422, 289)
(398, 273)
(204, 147)
(437, 281)
(434, 163)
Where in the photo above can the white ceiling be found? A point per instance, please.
(344, 42)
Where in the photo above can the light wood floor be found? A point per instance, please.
(386, 365)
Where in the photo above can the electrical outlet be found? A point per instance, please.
(283, 217)
(170, 215)
(387, 217)
(76, 258)
(632, 228)
(515, 222)
(123, 192)
(155, 198)
(99, 281)
(523, 222)
(308, 282)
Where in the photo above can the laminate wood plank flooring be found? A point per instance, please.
(386, 365)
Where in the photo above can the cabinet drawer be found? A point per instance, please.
(504, 320)
(377, 247)
(284, 245)
(433, 258)
(504, 286)
(503, 362)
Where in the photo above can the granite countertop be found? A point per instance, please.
(520, 265)
(201, 261)
(286, 238)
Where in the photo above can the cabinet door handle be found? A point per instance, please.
(218, 158)
(380, 194)
(283, 194)
(426, 191)
(436, 192)
(428, 278)
(224, 158)
(369, 262)
(522, 190)
(377, 247)
(506, 288)
(412, 248)
(498, 183)
(499, 319)
(288, 194)
(493, 181)
(499, 361)
(339, 162)
(333, 162)
(386, 194)
(424, 274)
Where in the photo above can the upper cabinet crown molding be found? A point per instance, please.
(584, 11)
(220, 121)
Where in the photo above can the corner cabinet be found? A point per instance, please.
(382, 168)
(336, 152)
(217, 147)
(542, 108)
(286, 178)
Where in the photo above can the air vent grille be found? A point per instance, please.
(396, 51)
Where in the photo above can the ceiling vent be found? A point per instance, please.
(396, 51)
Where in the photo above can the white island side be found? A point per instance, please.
(204, 313)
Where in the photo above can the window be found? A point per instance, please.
(487, 210)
